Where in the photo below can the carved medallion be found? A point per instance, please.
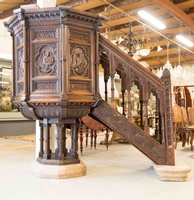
(45, 59)
(79, 62)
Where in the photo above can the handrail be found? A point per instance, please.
(138, 68)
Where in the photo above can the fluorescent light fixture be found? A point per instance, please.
(184, 40)
(5, 73)
(151, 19)
(4, 82)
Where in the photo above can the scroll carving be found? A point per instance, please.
(79, 62)
(45, 59)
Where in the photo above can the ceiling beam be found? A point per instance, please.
(9, 12)
(176, 12)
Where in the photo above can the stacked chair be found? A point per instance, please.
(190, 112)
(183, 125)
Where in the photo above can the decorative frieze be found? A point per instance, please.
(79, 85)
(44, 34)
(52, 85)
(42, 15)
(81, 36)
(43, 104)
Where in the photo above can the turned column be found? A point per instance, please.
(73, 150)
(47, 152)
(41, 151)
(61, 150)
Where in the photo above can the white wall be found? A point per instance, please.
(5, 41)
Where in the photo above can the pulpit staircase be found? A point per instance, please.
(160, 151)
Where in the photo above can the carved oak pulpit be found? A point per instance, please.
(55, 72)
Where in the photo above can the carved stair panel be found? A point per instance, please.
(118, 123)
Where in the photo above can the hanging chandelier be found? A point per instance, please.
(142, 45)
(167, 65)
(134, 45)
(177, 72)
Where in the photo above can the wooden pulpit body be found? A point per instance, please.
(55, 72)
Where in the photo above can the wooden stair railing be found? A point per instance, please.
(116, 61)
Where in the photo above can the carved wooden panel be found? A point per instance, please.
(45, 60)
(80, 77)
(20, 65)
(79, 60)
(45, 85)
(19, 72)
(44, 34)
(120, 124)
(79, 35)
(80, 85)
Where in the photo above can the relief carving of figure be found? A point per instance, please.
(79, 62)
(47, 61)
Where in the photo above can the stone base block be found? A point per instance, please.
(177, 173)
(58, 171)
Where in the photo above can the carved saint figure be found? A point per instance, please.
(79, 62)
(47, 61)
